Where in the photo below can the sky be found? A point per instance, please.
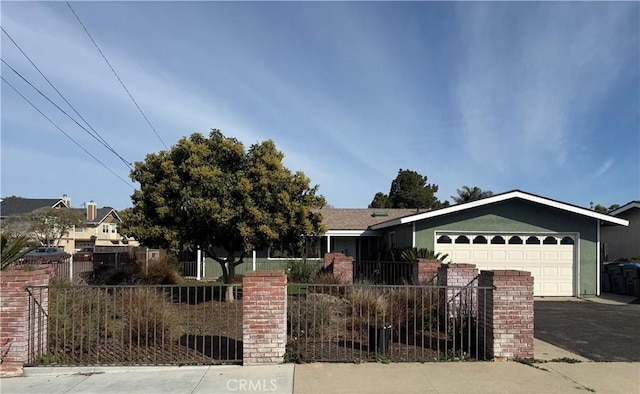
(542, 97)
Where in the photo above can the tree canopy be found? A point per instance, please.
(468, 194)
(408, 190)
(211, 193)
(46, 225)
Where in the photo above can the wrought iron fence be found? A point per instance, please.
(351, 323)
(134, 325)
(386, 272)
(63, 267)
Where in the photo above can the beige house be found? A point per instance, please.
(99, 228)
(622, 242)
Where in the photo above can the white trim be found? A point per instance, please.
(352, 233)
(498, 198)
(576, 258)
(598, 261)
(413, 235)
(625, 207)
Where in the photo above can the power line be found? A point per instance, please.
(67, 135)
(117, 76)
(97, 135)
(62, 110)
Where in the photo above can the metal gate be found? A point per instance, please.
(134, 325)
(364, 322)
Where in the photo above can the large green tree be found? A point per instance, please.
(468, 194)
(408, 190)
(211, 193)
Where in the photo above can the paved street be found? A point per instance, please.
(596, 331)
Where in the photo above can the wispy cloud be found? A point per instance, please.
(604, 167)
(535, 78)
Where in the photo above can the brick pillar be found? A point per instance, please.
(428, 270)
(15, 330)
(506, 314)
(340, 265)
(264, 317)
(460, 298)
(328, 260)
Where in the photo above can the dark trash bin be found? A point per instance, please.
(379, 338)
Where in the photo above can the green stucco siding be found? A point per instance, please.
(522, 216)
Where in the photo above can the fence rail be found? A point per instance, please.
(348, 323)
(63, 268)
(211, 269)
(134, 325)
(386, 272)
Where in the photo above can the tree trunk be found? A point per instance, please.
(231, 276)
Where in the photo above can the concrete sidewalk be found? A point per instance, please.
(462, 377)
(451, 377)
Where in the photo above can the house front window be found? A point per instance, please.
(105, 228)
(308, 247)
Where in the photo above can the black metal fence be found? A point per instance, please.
(134, 325)
(351, 323)
(386, 272)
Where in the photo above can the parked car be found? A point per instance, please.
(46, 254)
(84, 254)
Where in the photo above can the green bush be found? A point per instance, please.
(301, 271)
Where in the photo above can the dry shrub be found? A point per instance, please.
(309, 316)
(411, 306)
(367, 301)
(148, 317)
(76, 317)
(163, 272)
(327, 278)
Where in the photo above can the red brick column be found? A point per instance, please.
(264, 317)
(428, 270)
(15, 332)
(343, 268)
(328, 260)
(460, 298)
(506, 314)
(340, 265)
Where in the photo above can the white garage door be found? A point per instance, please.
(549, 257)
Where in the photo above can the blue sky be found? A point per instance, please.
(542, 97)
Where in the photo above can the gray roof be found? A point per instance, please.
(100, 215)
(15, 206)
(360, 218)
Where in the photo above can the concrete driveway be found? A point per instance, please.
(599, 332)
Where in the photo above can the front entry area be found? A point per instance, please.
(549, 257)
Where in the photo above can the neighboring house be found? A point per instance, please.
(622, 242)
(18, 206)
(558, 243)
(100, 227)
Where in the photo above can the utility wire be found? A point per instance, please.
(67, 135)
(60, 109)
(96, 134)
(116, 74)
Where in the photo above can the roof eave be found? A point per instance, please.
(503, 197)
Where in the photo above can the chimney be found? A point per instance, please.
(92, 211)
(66, 200)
